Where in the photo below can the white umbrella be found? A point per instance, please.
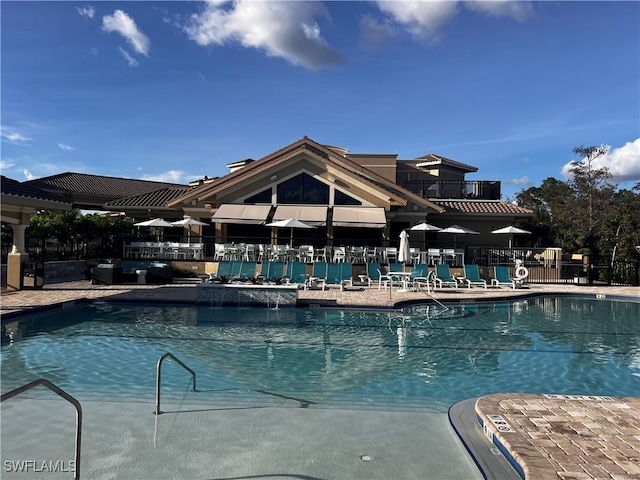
(457, 229)
(510, 230)
(403, 252)
(187, 222)
(289, 223)
(156, 222)
(425, 227)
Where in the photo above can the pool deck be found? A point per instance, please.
(546, 436)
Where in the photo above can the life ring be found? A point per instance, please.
(521, 273)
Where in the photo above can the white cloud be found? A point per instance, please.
(286, 30)
(520, 10)
(64, 146)
(521, 182)
(123, 24)
(4, 164)
(127, 56)
(424, 19)
(87, 11)
(171, 176)
(623, 163)
(10, 135)
(28, 175)
(375, 33)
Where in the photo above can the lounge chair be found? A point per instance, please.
(296, 273)
(318, 275)
(247, 271)
(373, 272)
(502, 277)
(472, 276)
(339, 274)
(420, 276)
(224, 271)
(443, 276)
(272, 271)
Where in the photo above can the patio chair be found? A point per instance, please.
(339, 274)
(272, 270)
(247, 271)
(502, 277)
(373, 273)
(420, 276)
(443, 276)
(472, 276)
(297, 273)
(384, 277)
(318, 275)
(224, 270)
(339, 254)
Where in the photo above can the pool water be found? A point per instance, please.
(421, 357)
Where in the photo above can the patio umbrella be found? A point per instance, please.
(403, 252)
(457, 229)
(187, 222)
(289, 223)
(425, 227)
(155, 223)
(510, 230)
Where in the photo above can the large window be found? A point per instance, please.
(262, 197)
(303, 189)
(344, 199)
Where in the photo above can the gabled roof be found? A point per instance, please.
(398, 194)
(483, 207)
(155, 199)
(433, 159)
(97, 185)
(13, 188)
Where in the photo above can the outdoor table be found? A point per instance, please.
(404, 277)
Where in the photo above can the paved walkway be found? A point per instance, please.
(547, 436)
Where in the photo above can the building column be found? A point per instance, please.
(16, 258)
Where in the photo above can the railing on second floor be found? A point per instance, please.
(455, 189)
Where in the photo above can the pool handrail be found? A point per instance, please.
(57, 390)
(159, 375)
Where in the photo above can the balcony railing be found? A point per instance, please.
(455, 189)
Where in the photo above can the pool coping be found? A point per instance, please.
(534, 456)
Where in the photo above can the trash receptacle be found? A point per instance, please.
(33, 275)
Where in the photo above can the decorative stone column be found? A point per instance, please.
(16, 258)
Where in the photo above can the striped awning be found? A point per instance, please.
(240, 213)
(361, 217)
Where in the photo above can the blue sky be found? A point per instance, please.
(174, 91)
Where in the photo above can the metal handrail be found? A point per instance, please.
(159, 374)
(68, 398)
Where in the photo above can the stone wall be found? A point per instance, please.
(249, 295)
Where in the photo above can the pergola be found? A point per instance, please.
(19, 202)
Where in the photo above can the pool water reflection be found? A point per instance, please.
(425, 356)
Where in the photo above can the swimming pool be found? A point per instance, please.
(420, 357)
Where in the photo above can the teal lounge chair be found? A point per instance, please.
(420, 276)
(318, 275)
(296, 273)
(472, 276)
(502, 277)
(339, 274)
(443, 276)
(373, 273)
(272, 271)
(247, 271)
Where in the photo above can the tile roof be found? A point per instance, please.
(17, 189)
(97, 185)
(157, 198)
(487, 207)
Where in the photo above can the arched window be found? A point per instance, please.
(303, 189)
